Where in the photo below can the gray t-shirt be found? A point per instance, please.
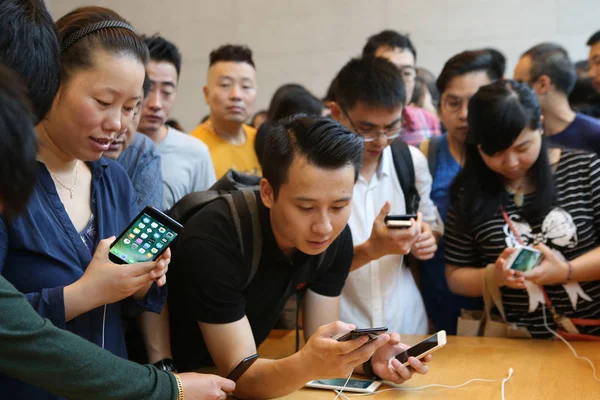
(186, 166)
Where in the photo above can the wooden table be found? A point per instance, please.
(543, 370)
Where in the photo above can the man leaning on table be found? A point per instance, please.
(309, 170)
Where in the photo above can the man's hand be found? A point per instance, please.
(205, 387)
(426, 246)
(384, 241)
(327, 358)
(395, 371)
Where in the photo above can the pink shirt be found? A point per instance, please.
(420, 124)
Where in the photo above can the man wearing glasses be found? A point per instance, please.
(380, 290)
(419, 124)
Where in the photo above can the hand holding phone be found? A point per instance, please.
(524, 259)
(372, 333)
(103, 282)
(400, 221)
(328, 358)
(423, 348)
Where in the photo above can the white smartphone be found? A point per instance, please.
(353, 385)
(524, 259)
(421, 349)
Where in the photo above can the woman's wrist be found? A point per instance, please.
(569, 272)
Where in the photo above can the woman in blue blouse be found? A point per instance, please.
(459, 80)
(53, 252)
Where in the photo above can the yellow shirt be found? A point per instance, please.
(225, 155)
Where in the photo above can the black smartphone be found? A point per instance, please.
(399, 221)
(146, 238)
(371, 332)
(242, 367)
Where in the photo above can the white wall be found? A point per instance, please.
(307, 41)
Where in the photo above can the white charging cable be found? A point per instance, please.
(339, 392)
(577, 356)
(434, 385)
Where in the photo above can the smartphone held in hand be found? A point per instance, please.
(399, 221)
(146, 238)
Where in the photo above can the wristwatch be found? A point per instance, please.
(166, 364)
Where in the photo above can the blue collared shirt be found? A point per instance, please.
(41, 252)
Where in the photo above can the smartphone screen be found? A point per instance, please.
(352, 383)
(526, 260)
(144, 240)
(418, 349)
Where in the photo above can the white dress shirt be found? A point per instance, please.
(383, 292)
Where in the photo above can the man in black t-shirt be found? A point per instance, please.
(310, 167)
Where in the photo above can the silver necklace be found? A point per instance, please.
(72, 188)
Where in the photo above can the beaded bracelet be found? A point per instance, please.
(570, 273)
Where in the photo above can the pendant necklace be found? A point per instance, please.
(72, 188)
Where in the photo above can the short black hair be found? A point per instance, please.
(325, 144)
(595, 38)
(29, 45)
(391, 39)
(497, 115)
(373, 81)
(18, 144)
(290, 99)
(470, 61)
(161, 49)
(231, 52)
(552, 60)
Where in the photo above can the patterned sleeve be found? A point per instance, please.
(595, 186)
(461, 248)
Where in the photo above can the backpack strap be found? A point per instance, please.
(185, 208)
(434, 145)
(245, 215)
(403, 163)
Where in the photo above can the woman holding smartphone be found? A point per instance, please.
(514, 191)
(53, 252)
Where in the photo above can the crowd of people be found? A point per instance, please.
(485, 163)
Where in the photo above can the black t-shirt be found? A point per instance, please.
(208, 276)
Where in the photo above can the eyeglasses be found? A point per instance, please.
(370, 136)
(454, 104)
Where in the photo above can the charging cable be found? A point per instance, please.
(434, 385)
(577, 356)
(339, 392)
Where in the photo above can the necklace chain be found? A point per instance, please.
(72, 188)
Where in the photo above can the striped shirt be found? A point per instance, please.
(572, 228)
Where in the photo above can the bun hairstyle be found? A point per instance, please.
(86, 29)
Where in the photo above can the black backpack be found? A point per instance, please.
(240, 191)
(405, 169)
